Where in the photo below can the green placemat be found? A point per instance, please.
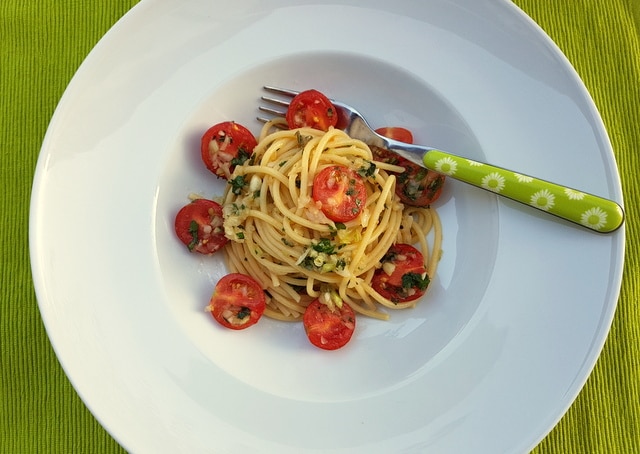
(42, 42)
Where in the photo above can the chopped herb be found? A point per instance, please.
(243, 312)
(421, 174)
(321, 257)
(235, 209)
(436, 184)
(302, 140)
(287, 242)
(389, 256)
(241, 158)
(308, 263)
(282, 163)
(193, 230)
(340, 226)
(414, 280)
(240, 235)
(237, 184)
(324, 245)
(367, 171)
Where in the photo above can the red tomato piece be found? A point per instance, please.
(312, 109)
(238, 301)
(396, 133)
(403, 276)
(416, 186)
(326, 328)
(341, 193)
(225, 145)
(199, 226)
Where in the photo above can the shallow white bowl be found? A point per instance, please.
(488, 362)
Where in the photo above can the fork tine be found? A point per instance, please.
(271, 111)
(278, 102)
(280, 91)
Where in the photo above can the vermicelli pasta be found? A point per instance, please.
(281, 237)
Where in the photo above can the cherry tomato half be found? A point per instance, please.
(396, 133)
(416, 186)
(238, 301)
(199, 226)
(312, 109)
(225, 145)
(326, 328)
(341, 193)
(402, 276)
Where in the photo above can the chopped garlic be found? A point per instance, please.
(388, 268)
(255, 183)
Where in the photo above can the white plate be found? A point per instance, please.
(488, 363)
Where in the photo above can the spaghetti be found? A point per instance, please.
(280, 236)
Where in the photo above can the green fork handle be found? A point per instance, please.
(596, 213)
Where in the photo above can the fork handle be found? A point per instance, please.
(596, 213)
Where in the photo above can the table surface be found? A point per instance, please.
(43, 42)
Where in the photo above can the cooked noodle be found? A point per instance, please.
(273, 223)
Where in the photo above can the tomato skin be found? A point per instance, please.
(341, 193)
(238, 301)
(199, 226)
(310, 108)
(396, 133)
(405, 283)
(328, 329)
(416, 186)
(225, 145)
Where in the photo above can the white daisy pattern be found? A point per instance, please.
(573, 194)
(595, 218)
(447, 166)
(474, 163)
(543, 200)
(493, 182)
(523, 178)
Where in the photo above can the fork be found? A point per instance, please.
(588, 210)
